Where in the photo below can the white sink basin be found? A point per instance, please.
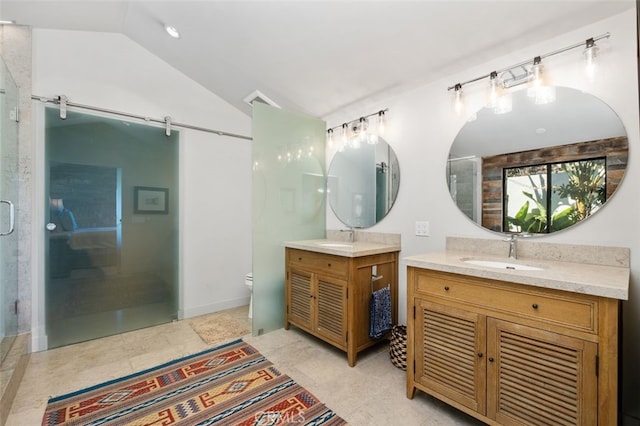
(336, 245)
(502, 265)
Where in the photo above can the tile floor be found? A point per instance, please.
(371, 393)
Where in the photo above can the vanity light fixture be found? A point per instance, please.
(536, 73)
(330, 138)
(500, 102)
(362, 130)
(172, 31)
(528, 71)
(345, 136)
(359, 128)
(540, 92)
(494, 93)
(457, 99)
(590, 53)
(381, 123)
(7, 22)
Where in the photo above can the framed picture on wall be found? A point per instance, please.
(149, 200)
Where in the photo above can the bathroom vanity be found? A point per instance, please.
(329, 285)
(527, 341)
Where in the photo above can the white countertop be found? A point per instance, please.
(597, 280)
(343, 248)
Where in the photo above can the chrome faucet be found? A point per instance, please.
(513, 246)
(352, 234)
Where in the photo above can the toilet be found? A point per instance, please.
(248, 281)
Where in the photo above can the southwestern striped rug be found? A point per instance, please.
(232, 384)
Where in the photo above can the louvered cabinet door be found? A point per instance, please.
(449, 353)
(300, 299)
(331, 310)
(536, 377)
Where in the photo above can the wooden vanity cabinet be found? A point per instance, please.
(328, 295)
(512, 354)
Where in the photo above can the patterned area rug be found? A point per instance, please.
(232, 384)
(219, 327)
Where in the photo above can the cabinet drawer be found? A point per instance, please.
(575, 311)
(321, 262)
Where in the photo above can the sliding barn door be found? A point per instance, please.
(111, 226)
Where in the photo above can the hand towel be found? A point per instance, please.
(380, 313)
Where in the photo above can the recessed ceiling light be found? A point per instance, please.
(541, 130)
(172, 31)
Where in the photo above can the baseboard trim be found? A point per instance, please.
(213, 307)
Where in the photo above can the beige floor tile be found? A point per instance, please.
(369, 394)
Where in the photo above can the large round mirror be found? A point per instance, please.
(537, 165)
(363, 182)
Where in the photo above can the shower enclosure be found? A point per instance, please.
(8, 205)
(464, 179)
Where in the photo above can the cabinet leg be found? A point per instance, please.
(351, 358)
(286, 325)
(411, 391)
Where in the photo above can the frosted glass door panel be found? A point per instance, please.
(112, 227)
(288, 201)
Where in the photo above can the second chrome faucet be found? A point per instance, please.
(352, 234)
(513, 246)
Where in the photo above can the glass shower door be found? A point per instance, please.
(112, 227)
(9, 201)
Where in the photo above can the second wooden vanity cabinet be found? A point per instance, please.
(328, 295)
(510, 353)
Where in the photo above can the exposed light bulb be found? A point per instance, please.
(542, 94)
(545, 95)
(536, 72)
(345, 137)
(590, 53)
(494, 92)
(330, 138)
(362, 128)
(504, 104)
(457, 99)
(381, 123)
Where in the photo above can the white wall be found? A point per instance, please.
(422, 126)
(110, 71)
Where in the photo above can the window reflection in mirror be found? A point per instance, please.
(578, 137)
(550, 197)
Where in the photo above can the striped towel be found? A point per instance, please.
(380, 313)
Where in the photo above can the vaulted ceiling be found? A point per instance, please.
(317, 57)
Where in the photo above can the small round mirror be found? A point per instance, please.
(537, 165)
(363, 181)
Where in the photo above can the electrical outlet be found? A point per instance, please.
(422, 229)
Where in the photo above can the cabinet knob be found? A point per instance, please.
(446, 288)
(479, 354)
(534, 306)
(299, 259)
(328, 265)
(490, 359)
